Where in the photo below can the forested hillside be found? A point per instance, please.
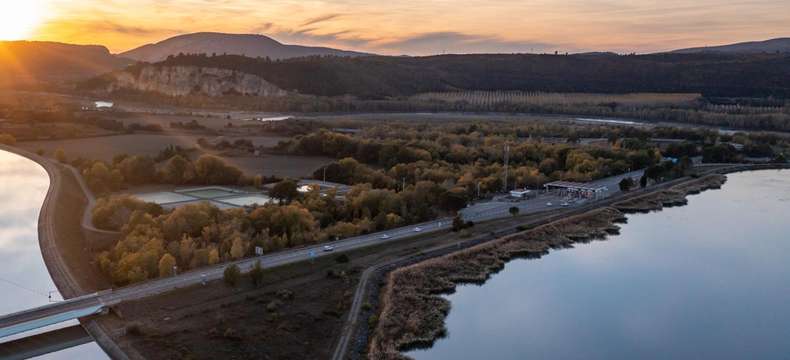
(759, 75)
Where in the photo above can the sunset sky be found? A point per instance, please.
(415, 27)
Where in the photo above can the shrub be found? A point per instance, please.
(231, 275)
(626, 184)
(514, 210)
(256, 274)
(342, 259)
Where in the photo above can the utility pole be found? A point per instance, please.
(403, 186)
(507, 159)
(478, 190)
(324, 173)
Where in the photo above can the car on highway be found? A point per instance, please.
(549, 204)
(565, 204)
(384, 237)
(328, 248)
(417, 229)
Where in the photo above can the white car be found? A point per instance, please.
(384, 237)
(328, 248)
(565, 204)
(549, 204)
(417, 229)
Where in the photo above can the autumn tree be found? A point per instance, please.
(285, 191)
(167, 265)
(178, 170)
(211, 170)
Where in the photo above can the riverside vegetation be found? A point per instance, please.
(412, 310)
(401, 173)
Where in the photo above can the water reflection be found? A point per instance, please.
(708, 280)
(24, 280)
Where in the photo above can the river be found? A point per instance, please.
(24, 280)
(704, 281)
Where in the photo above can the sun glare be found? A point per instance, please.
(18, 19)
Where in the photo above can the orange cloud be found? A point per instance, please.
(427, 26)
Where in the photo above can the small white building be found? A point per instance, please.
(520, 194)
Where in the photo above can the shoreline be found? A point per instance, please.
(54, 260)
(411, 309)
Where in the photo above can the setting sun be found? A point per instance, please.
(19, 19)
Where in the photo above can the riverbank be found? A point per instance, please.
(63, 244)
(412, 310)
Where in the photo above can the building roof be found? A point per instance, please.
(575, 186)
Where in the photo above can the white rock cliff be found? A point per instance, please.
(188, 80)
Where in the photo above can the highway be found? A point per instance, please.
(94, 303)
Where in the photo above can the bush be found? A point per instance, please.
(231, 275)
(458, 223)
(256, 274)
(626, 184)
(342, 259)
(514, 210)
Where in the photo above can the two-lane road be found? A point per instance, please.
(91, 303)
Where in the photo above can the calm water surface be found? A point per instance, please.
(710, 280)
(24, 280)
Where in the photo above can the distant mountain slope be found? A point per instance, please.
(781, 45)
(250, 45)
(37, 61)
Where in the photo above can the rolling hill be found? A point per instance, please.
(249, 45)
(781, 45)
(26, 62)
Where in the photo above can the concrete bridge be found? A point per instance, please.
(51, 314)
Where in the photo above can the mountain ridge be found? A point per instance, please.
(47, 61)
(250, 45)
(777, 45)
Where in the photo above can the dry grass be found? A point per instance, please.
(412, 311)
(673, 196)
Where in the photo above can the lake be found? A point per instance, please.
(24, 280)
(705, 281)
